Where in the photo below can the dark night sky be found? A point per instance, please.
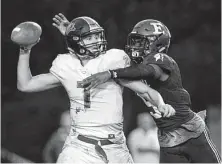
(196, 46)
(195, 28)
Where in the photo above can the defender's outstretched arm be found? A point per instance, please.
(149, 95)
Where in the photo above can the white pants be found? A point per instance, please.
(76, 151)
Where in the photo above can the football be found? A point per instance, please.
(26, 33)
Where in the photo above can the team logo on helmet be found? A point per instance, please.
(71, 27)
(158, 28)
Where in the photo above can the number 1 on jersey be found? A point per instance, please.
(87, 102)
(86, 99)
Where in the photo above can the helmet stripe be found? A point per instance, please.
(91, 22)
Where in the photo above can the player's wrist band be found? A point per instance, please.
(113, 74)
(24, 48)
(24, 51)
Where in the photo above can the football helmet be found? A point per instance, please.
(80, 28)
(148, 36)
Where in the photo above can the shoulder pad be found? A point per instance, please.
(116, 58)
(60, 58)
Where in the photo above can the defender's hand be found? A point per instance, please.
(167, 110)
(95, 80)
(60, 22)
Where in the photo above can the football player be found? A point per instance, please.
(96, 133)
(183, 137)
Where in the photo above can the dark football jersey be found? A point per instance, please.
(171, 90)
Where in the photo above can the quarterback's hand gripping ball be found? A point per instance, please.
(26, 33)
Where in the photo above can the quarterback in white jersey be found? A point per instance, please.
(96, 134)
(99, 114)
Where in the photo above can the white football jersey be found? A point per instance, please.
(99, 111)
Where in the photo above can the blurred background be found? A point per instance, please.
(29, 120)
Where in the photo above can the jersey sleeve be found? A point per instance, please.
(162, 60)
(57, 68)
(116, 59)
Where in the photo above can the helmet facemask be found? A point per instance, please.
(94, 49)
(139, 46)
(147, 37)
(76, 44)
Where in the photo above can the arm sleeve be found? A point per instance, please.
(57, 68)
(153, 66)
(137, 72)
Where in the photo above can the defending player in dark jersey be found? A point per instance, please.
(183, 137)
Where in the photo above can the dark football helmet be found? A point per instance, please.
(80, 28)
(148, 36)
